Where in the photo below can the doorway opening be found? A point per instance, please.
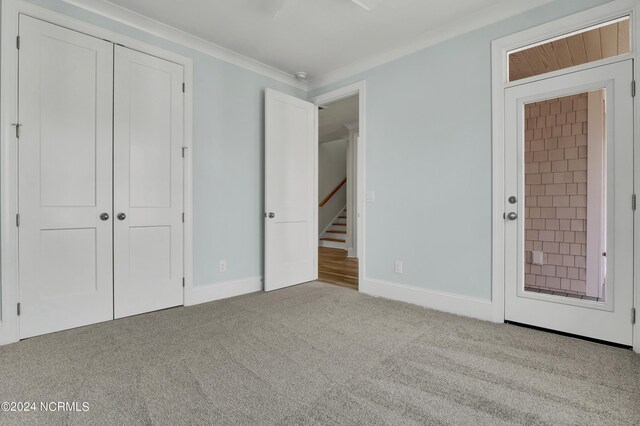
(338, 134)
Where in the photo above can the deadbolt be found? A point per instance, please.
(513, 200)
(104, 216)
(122, 216)
(512, 216)
(272, 215)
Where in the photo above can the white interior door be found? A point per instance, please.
(148, 183)
(65, 249)
(291, 229)
(571, 173)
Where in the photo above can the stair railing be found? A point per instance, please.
(336, 189)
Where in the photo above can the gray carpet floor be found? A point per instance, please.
(318, 354)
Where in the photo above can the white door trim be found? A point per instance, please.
(8, 148)
(358, 88)
(499, 49)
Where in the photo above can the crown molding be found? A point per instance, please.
(462, 25)
(167, 32)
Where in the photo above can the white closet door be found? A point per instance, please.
(148, 177)
(65, 249)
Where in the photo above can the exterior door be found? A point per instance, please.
(291, 231)
(148, 183)
(64, 190)
(568, 203)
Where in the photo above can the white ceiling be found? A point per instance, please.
(319, 36)
(332, 119)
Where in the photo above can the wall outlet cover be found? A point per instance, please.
(538, 257)
(398, 267)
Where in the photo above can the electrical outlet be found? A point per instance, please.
(397, 268)
(369, 196)
(223, 266)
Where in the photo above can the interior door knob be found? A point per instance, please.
(272, 215)
(512, 216)
(104, 216)
(122, 216)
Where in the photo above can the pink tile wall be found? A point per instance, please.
(556, 193)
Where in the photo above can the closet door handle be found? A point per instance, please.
(104, 216)
(122, 216)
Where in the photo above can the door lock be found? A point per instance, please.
(122, 216)
(513, 200)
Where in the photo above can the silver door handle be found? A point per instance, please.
(122, 216)
(104, 216)
(512, 216)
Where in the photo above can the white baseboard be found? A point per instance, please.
(8, 333)
(439, 301)
(224, 290)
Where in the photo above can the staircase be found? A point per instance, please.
(335, 236)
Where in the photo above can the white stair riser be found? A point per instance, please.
(329, 234)
(333, 244)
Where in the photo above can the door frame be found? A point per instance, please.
(9, 320)
(358, 88)
(499, 64)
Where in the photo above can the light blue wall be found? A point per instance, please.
(228, 156)
(428, 159)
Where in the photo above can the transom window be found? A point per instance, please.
(591, 44)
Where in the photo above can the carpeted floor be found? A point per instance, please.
(318, 353)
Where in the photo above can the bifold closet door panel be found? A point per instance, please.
(65, 177)
(148, 183)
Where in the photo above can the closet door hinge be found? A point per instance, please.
(633, 202)
(18, 309)
(184, 87)
(182, 217)
(18, 220)
(182, 282)
(633, 89)
(18, 42)
(184, 149)
(633, 315)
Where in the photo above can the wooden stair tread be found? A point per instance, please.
(339, 224)
(337, 232)
(333, 239)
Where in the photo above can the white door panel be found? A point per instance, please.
(291, 232)
(607, 318)
(148, 183)
(65, 250)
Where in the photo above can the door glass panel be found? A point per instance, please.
(565, 196)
